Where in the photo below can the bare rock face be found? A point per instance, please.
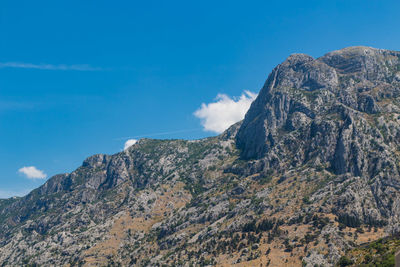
(335, 111)
(311, 171)
(339, 83)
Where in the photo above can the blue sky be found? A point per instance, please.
(81, 77)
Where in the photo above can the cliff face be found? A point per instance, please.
(312, 170)
(302, 91)
(339, 111)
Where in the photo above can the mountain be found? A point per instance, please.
(311, 172)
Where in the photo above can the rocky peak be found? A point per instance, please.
(307, 96)
(298, 59)
(341, 113)
(95, 161)
(365, 62)
(302, 71)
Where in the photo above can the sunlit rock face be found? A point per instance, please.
(320, 110)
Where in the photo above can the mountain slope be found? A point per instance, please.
(311, 171)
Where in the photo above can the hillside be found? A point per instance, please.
(311, 172)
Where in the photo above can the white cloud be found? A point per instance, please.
(32, 172)
(21, 65)
(225, 111)
(129, 143)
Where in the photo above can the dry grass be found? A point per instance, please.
(173, 198)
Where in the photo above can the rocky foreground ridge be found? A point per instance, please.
(312, 171)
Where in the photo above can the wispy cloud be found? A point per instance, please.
(10, 193)
(32, 172)
(157, 134)
(225, 111)
(22, 65)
